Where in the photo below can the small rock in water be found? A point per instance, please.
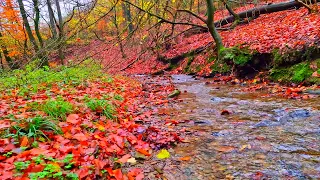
(310, 91)
(300, 113)
(225, 112)
(202, 122)
(221, 133)
(266, 123)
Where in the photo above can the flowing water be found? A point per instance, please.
(261, 138)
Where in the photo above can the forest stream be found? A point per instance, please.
(243, 135)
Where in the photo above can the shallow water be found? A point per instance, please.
(261, 138)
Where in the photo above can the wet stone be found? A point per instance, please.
(266, 123)
(221, 133)
(289, 148)
(300, 113)
(187, 171)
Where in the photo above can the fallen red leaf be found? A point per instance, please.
(118, 174)
(73, 118)
(124, 158)
(80, 137)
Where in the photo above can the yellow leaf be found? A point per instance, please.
(132, 160)
(101, 128)
(163, 154)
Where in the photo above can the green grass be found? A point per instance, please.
(32, 79)
(33, 128)
(101, 106)
(58, 108)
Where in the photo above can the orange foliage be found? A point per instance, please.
(11, 28)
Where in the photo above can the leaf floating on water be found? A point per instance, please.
(163, 154)
(247, 146)
(224, 148)
(175, 93)
(186, 158)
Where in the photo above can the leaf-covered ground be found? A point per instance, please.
(285, 30)
(93, 142)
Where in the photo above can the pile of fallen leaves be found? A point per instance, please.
(90, 144)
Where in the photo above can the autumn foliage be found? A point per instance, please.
(91, 144)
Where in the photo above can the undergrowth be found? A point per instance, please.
(33, 128)
(58, 108)
(33, 79)
(101, 106)
(49, 166)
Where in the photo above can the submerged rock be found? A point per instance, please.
(310, 91)
(266, 123)
(299, 113)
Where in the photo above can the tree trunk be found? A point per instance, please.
(230, 10)
(127, 16)
(118, 33)
(1, 64)
(51, 18)
(8, 59)
(255, 12)
(36, 21)
(27, 26)
(61, 33)
(213, 31)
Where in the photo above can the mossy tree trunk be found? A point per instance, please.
(213, 31)
(36, 21)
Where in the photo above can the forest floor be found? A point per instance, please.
(75, 124)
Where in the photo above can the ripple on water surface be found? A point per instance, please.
(270, 138)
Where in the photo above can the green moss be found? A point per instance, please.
(220, 68)
(173, 66)
(281, 75)
(301, 72)
(238, 56)
(211, 59)
(318, 65)
(198, 68)
(314, 80)
(297, 73)
(277, 58)
(187, 68)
